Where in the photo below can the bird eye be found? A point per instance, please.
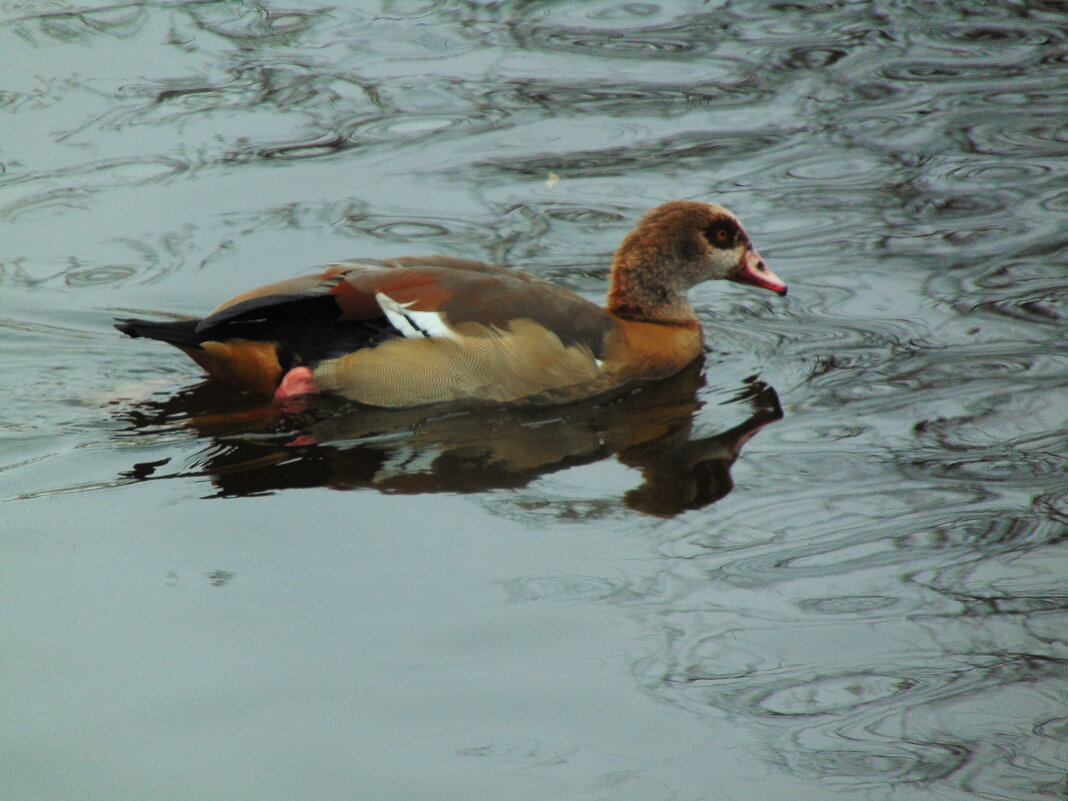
(722, 235)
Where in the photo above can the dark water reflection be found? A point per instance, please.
(266, 449)
(877, 609)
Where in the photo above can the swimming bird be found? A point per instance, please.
(415, 331)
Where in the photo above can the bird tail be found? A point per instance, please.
(180, 333)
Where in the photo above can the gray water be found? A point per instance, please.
(827, 562)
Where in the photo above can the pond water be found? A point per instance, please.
(827, 562)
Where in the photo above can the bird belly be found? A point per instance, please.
(476, 363)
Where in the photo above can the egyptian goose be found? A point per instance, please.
(414, 331)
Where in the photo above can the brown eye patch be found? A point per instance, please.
(724, 233)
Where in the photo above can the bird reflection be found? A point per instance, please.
(256, 448)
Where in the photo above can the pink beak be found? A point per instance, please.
(752, 270)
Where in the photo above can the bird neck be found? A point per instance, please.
(642, 291)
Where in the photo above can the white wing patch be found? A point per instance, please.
(414, 324)
(355, 264)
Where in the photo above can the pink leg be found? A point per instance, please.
(297, 381)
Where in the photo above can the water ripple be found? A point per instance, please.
(120, 21)
(848, 604)
(1025, 580)
(672, 154)
(593, 97)
(628, 34)
(94, 276)
(255, 24)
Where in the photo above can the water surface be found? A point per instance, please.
(828, 561)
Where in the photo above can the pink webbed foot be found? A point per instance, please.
(297, 381)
